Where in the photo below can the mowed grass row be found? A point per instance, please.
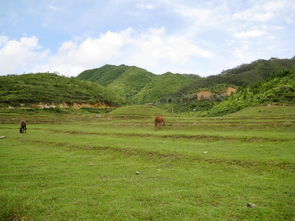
(87, 170)
(246, 146)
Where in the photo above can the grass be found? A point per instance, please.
(76, 166)
(265, 111)
(137, 111)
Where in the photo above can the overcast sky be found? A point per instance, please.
(181, 36)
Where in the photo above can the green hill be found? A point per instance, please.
(134, 111)
(242, 75)
(163, 85)
(131, 82)
(125, 80)
(278, 89)
(103, 75)
(51, 88)
(115, 85)
(136, 85)
(265, 111)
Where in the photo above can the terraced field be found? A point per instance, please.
(114, 167)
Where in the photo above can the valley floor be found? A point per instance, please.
(80, 167)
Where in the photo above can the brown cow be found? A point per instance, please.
(159, 120)
(23, 127)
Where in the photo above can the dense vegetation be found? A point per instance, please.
(51, 88)
(161, 86)
(242, 75)
(125, 80)
(115, 85)
(279, 88)
(130, 83)
(106, 74)
(136, 85)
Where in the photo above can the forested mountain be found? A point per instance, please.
(51, 88)
(131, 82)
(106, 74)
(125, 80)
(242, 75)
(278, 89)
(136, 85)
(115, 85)
(162, 86)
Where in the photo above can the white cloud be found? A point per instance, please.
(155, 48)
(52, 8)
(198, 17)
(74, 56)
(150, 49)
(145, 6)
(252, 15)
(3, 40)
(274, 5)
(250, 34)
(245, 50)
(199, 14)
(264, 11)
(18, 56)
(193, 33)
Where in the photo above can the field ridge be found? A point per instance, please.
(173, 156)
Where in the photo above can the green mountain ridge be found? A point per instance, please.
(116, 85)
(278, 89)
(125, 80)
(103, 75)
(52, 89)
(163, 85)
(241, 75)
(131, 82)
(137, 85)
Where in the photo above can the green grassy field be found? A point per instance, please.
(76, 166)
